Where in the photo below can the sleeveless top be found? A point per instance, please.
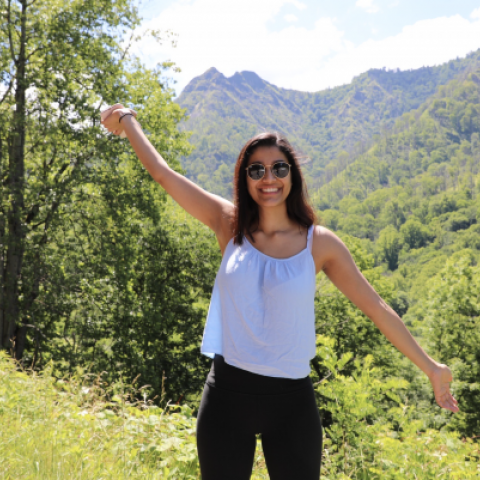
(261, 316)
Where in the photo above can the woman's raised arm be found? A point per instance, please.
(212, 210)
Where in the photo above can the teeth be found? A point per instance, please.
(268, 190)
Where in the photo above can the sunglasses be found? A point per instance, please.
(256, 171)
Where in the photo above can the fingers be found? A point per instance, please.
(114, 107)
(446, 400)
(450, 406)
(106, 113)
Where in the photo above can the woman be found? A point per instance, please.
(260, 327)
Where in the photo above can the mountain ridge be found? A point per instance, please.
(332, 126)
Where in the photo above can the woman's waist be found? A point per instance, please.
(227, 377)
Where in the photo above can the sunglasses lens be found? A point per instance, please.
(281, 170)
(256, 172)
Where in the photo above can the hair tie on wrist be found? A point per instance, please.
(124, 115)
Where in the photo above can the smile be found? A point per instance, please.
(269, 190)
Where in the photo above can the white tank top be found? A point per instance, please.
(261, 316)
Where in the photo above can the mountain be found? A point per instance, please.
(414, 196)
(330, 127)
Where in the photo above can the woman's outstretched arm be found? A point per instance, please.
(212, 210)
(332, 256)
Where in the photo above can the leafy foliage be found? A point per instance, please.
(60, 60)
(126, 282)
(99, 275)
(452, 323)
(413, 196)
(352, 331)
(360, 446)
(82, 427)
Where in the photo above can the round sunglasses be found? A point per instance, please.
(256, 171)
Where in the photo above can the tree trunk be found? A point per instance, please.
(2, 254)
(12, 334)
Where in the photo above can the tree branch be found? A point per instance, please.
(9, 28)
(33, 147)
(323, 379)
(35, 328)
(35, 208)
(46, 165)
(8, 89)
(35, 50)
(130, 43)
(338, 324)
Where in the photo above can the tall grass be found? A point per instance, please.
(78, 428)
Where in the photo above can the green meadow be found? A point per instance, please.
(81, 428)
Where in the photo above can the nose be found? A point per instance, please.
(269, 176)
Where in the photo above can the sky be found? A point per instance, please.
(307, 45)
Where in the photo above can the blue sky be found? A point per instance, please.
(305, 44)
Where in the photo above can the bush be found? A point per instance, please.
(78, 428)
(360, 445)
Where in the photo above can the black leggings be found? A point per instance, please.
(236, 405)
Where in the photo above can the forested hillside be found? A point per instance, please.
(415, 192)
(331, 127)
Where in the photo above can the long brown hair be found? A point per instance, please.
(246, 211)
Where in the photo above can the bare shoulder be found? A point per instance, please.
(325, 246)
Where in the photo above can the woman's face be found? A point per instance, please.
(269, 191)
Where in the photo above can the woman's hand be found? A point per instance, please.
(110, 118)
(440, 379)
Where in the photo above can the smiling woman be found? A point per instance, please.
(260, 329)
(268, 150)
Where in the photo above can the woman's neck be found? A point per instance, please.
(273, 220)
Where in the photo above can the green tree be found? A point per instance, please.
(393, 213)
(96, 271)
(331, 218)
(59, 60)
(414, 233)
(128, 275)
(452, 319)
(389, 244)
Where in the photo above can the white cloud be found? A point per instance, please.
(225, 35)
(367, 5)
(475, 14)
(428, 42)
(299, 5)
(228, 36)
(291, 18)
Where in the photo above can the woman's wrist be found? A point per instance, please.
(125, 120)
(433, 369)
(126, 114)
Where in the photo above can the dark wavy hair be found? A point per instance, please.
(246, 211)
